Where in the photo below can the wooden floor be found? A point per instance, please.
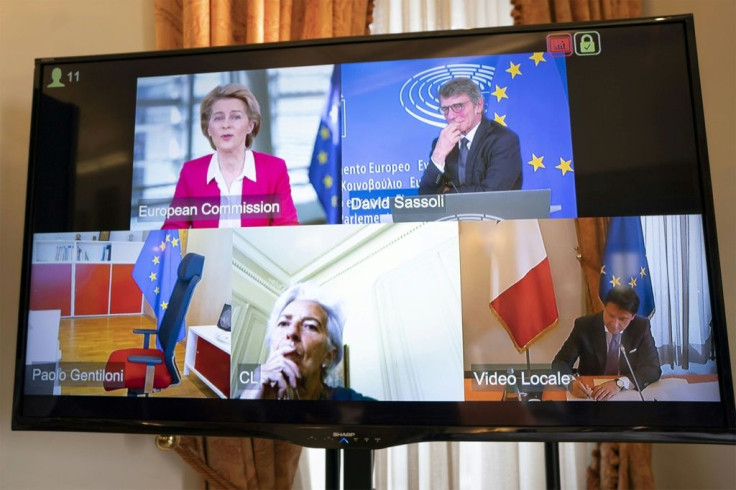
(92, 339)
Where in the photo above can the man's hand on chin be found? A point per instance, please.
(449, 136)
(605, 391)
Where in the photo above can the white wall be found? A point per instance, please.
(215, 288)
(29, 30)
(485, 340)
(701, 466)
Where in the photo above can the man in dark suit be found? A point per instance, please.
(597, 340)
(472, 154)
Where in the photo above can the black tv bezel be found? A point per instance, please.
(324, 424)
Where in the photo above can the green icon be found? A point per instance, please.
(56, 79)
(587, 43)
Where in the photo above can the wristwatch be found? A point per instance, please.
(620, 383)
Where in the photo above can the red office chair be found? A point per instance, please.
(145, 370)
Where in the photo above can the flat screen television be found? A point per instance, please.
(444, 288)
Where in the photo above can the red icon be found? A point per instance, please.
(559, 44)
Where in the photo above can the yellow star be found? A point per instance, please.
(500, 119)
(156, 260)
(164, 305)
(643, 272)
(152, 276)
(500, 93)
(565, 166)
(514, 69)
(322, 157)
(616, 281)
(536, 162)
(157, 290)
(538, 58)
(603, 270)
(324, 132)
(168, 238)
(632, 282)
(175, 242)
(327, 181)
(333, 201)
(162, 246)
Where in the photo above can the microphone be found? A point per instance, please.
(453, 186)
(636, 382)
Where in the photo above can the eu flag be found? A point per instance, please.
(155, 272)
(625, 262)
(527, 92)
(529, 96)
(324, 170)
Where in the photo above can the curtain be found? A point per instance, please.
(249, 463)
(591, 243)
(544, 11)
(461, 465)
(393, 16)
(201, 23)
(676, 253)
(471, 465)
(232, 463)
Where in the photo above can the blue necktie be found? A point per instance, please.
(461, 160)
(612, 358)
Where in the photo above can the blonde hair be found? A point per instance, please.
(231, 91)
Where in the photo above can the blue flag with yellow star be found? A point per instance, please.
(324, 170)
(529, 95)
(624, 262)
(155, 272)
(391, 115)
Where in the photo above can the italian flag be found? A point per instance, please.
(522, 292)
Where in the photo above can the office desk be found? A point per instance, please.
(208, 357)
(683, 387)
(687, 387)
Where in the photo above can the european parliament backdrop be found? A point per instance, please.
(391, 115)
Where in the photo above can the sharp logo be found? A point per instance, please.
(419, 95)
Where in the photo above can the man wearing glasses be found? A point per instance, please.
(472, 153)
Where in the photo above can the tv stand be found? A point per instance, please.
(552, 465)
(357, 471)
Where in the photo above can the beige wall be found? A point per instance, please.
(701, 466)
(42, 28)
(215, 288)
(485, 341)
(28, 30)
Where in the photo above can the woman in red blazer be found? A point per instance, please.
(235, 186)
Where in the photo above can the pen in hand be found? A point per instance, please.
(585, 388)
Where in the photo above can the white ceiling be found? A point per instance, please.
(287, 252)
